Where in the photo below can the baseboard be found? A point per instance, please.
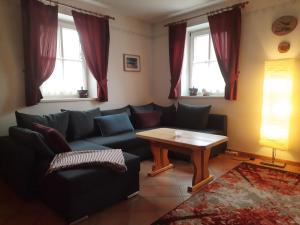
(251, 155)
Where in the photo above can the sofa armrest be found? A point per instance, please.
(17, 166)
(217, 122)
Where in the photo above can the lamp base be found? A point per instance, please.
(273, 164)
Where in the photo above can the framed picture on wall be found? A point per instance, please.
(131, 63)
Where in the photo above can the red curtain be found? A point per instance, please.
(225, 30)
(177, 34)
(40, 37)
(94, 37)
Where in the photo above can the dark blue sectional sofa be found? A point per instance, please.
(78, 192)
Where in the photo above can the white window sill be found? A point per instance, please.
(67, 100)
(198, 96)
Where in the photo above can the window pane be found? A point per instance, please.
(67, 78)
(207, 76)
(70, 70)
(199, 72)
(73, 76)
(205, 73)
(71, 44)
(58, 49)
(54, 85)
(201, 48)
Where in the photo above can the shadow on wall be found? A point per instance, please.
(11, 57)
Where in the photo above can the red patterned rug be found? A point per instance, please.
(247, 194)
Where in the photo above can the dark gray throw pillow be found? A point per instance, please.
(114, 124)
(26, 120)
(142, 108)
(81, 124)
(125, 109)
(192, 116)
(58, 121)
(168, 113)
(32, 140)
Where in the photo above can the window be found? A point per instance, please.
(203, 69)
(70, 73)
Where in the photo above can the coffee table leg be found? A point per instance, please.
(201, 173)
(161, 160)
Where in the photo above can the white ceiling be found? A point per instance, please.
(153, 11)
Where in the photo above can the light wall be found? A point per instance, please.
(127, 36)
(258, 44)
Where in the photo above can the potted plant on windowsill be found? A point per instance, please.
(83, 93)
(205, 92)
(193, 91)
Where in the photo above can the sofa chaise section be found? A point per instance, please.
(79, 192)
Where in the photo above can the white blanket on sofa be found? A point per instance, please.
(110, 158)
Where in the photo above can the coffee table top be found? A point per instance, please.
(182, 137)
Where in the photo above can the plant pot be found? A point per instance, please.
(83, 93)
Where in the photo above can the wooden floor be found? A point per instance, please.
(157, 196)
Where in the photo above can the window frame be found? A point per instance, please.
(68, 25)
(192, 33)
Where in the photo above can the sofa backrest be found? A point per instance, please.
(116, 111)
(217, 122)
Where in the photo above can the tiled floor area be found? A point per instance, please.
(157, 196)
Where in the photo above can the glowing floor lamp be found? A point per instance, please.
(277, 106)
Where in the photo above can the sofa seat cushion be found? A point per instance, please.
(124, 141)
(81, 145)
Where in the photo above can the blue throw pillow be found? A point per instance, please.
(114, 124)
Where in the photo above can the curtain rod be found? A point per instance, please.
(240, 5)
(79, 9)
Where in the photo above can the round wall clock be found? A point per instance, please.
(284, 25)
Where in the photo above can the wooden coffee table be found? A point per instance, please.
(196, 144)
